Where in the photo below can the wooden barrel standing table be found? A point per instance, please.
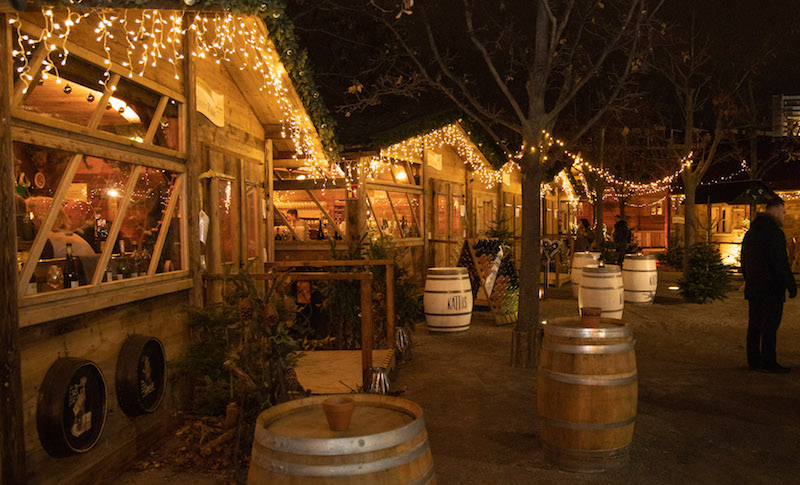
(640, 278)
(386, 443)
(448, 299)
(586, 259)
(587, 393)
(602, 287)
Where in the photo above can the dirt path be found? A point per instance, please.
(703, 417)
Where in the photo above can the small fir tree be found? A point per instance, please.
(708, 278)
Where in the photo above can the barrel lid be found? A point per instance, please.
(300, 426)
(640, 257)
(607, 269)
(447, 271)
(573, 327)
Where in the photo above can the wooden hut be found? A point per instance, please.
(130, 130)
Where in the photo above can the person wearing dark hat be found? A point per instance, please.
(767, 277)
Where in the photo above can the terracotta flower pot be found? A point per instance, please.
(590, 316)
(338, 411)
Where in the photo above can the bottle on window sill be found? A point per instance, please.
(70, 270)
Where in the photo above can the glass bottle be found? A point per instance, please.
(70, 270)
(320, 232)
(136, 260)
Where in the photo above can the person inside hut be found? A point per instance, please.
(298, 225)
(61, 233)
(584, 236)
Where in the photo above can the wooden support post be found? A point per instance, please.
(12, 435)
(270, 214)
(366, 330)
(193, 150)
(390, 306)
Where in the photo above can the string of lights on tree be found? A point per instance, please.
(154, 37)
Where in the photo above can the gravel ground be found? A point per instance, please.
(702, 418)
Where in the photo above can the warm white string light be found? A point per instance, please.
(153, 37)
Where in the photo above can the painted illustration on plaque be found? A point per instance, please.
(82, 419)
(146, 384)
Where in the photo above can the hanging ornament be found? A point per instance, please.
(108, 106)
(121, 109)
(90, 97)
(39, 180)
(67, 89)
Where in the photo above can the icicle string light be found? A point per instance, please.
(153, 37)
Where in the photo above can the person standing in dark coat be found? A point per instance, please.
(767, 277)
(622, 238)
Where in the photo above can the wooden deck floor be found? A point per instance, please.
(337, 371)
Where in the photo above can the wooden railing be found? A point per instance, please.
(364, 277)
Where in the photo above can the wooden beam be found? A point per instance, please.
(190, 243)
(411, 188)
(166, 220)
(374, 216)
(72, 129)
(325, 213)
(116, 226)
(366, 331)
(71, 142)
(47, 225)
(390, 305)
(12, 433)
(312, 184)
(24, 89)
(270, 177)
(100, 60)
(97, 116)
(156, 121)
(394, 213)
(324, 263)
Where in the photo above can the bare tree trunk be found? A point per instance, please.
(524, 349)
(690, 222)
(598, 217)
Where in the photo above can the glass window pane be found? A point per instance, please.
(90, 207)
(172, 254)
(441, 216)
(305, 217)
(72, 96)
(253, 213)
(457, 205)
(227, 220)
(407, 208)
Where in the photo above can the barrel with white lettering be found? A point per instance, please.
(448, 299)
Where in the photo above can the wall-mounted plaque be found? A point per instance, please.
(71, 411)
(141, 375)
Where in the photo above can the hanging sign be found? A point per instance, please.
(507, 179)
(434, 159)
(210, 103)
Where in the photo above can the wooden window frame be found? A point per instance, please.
(43, 131)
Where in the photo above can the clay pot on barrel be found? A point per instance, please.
(590, 316)
(338, 412)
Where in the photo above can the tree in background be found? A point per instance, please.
(512, 67)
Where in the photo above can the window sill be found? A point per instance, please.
(44, 307)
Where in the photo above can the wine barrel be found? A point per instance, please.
(71, 411)
(385, 443)
(141, 375)
(448, 299)
(580, 261)
(602, 287)
(640, 278)
(587, 394)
